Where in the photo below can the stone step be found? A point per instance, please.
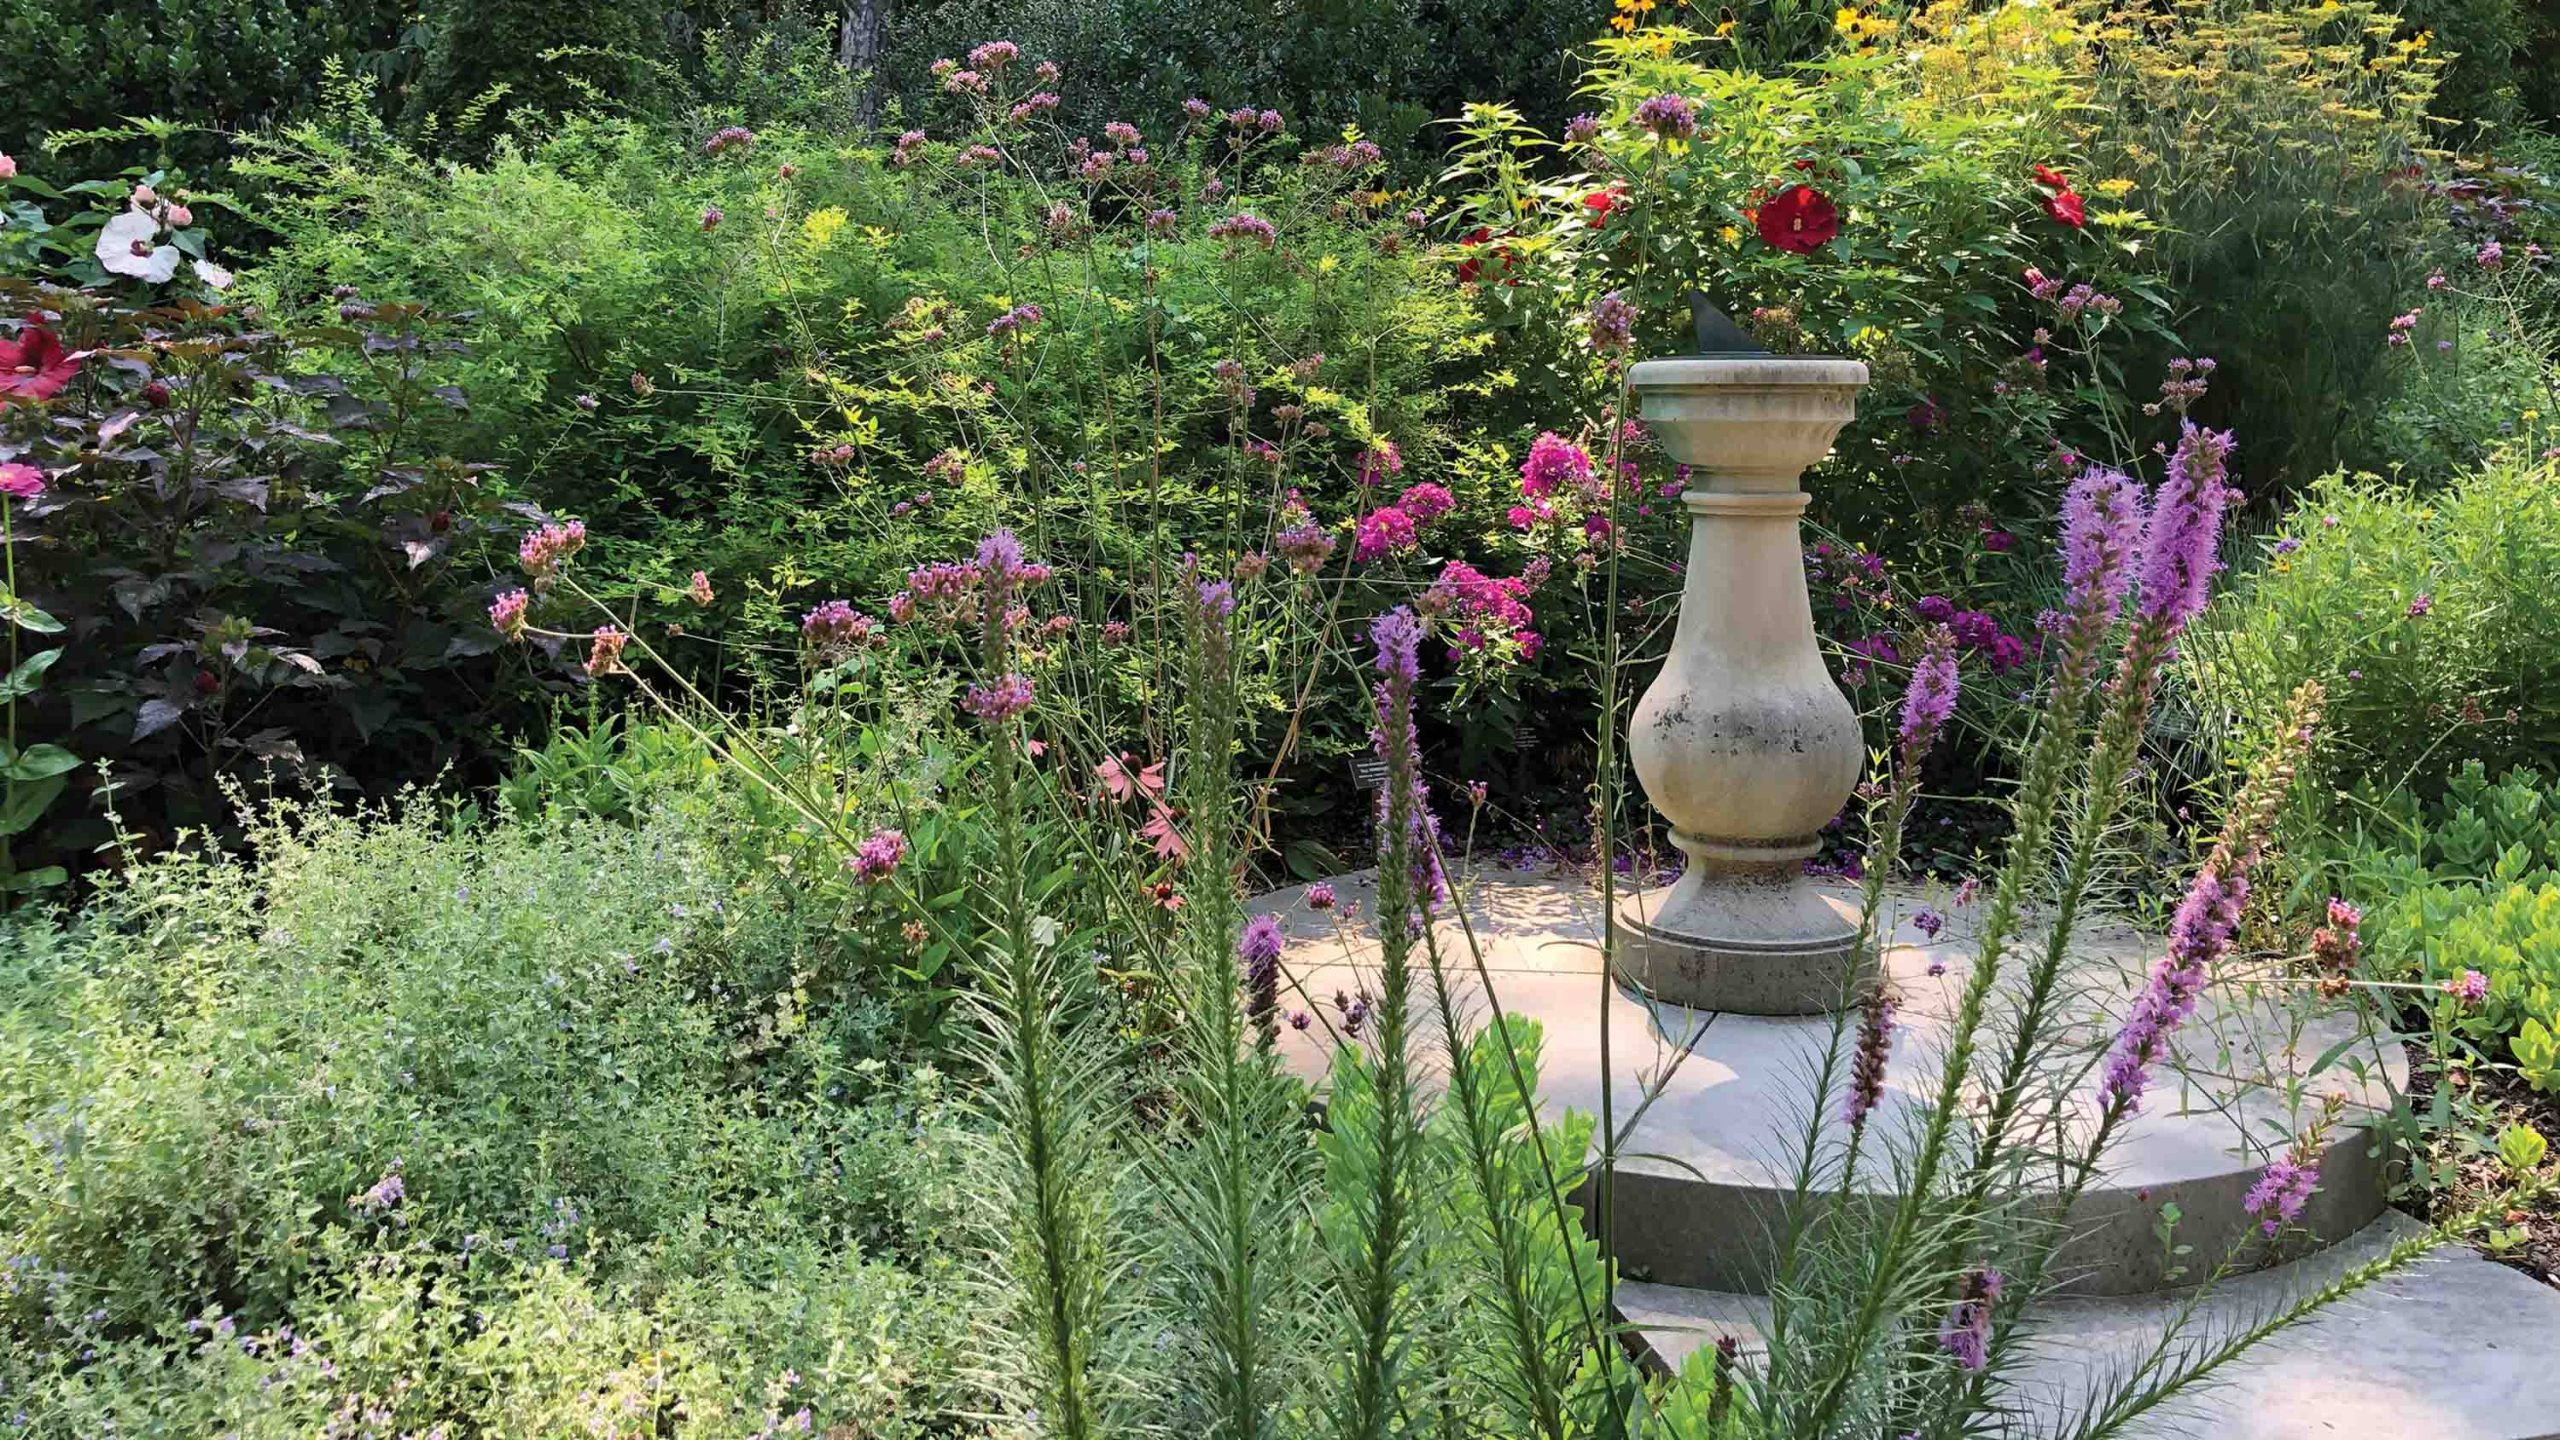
(2454, 1347)
(1720, 1099)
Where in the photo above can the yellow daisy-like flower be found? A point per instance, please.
(1724, 29)
(1730, 235)
(1846, 21)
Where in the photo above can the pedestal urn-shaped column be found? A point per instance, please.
(1743, 743)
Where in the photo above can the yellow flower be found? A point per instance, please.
(2114, 189)
(1724, 29)
(1729, 235)
(1846, 22)
(822, 225)
(2533, 415)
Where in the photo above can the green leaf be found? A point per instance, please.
(2522, 1148)
(24, 681)
(27, 882)
(27, 616)
(23, 802)
(40, 762)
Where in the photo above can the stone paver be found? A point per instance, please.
(2455, 1347)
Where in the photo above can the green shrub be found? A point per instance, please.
(2468, 882)
(565, 1040)
(2427, 615)
(216, 65)
(253, 540)
(1390, 67)
(2274, 147)
(485, 58)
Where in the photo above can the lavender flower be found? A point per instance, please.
(1928, 922)
(877, 857)
(2283, 1188)
(1931, 699)
(1966, 1332)
(1242, 226)
(1320, 895)
(1009, 696)
(2181, 542)
(1259, 948)
(1669, 117)
(1866, 1067)
(1305, 546)
(1612, 323)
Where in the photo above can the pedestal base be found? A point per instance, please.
(1758, 941)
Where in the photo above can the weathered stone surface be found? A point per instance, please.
(1701, 1174)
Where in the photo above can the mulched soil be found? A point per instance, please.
(2537, 1253)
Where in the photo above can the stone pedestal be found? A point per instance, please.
(1743, 742)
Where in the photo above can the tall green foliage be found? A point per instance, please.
(215, 65)
(485, 58)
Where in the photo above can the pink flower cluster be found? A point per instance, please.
(1243, 226)
(877, 857)
(545, 550)
(732, 137)
(604, 656)
(835, 628)
(947, 592)
(1010, 695)
(1014, 321)
(506, 613)
(1481, 613)
(1302, 543)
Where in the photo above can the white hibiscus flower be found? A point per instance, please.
(125, 248)
(214, 276)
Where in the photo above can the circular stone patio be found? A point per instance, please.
(1703, 1167)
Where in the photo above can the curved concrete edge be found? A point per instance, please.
(1672, 1227)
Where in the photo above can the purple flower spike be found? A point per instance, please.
(1966, 1332)
(1398, 636)
(1931, 699)
(2181, 543)
(2281, 1192)
(1866, 1067)
(2102, 522)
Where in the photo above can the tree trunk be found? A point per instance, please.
(858, 51)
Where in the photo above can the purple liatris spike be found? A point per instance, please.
(1398, 637)
(1931, 699)
(2281, 1192)
(2182, 541)
(2102, 517)
(1966, 1332)
(1866, 1067)
(2198, 936)
(1259, 948)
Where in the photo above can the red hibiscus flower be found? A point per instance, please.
(35, 364)
(1472, 268)
(2065, 205)
(1601, 204)
(1799, 220)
